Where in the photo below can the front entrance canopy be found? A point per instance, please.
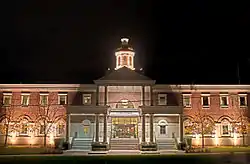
(127, 112)
(125, 76)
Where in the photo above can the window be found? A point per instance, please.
(162, 129)
(187, 100)
(25, 99)
(60, 129)
(7, 99)
(24, 127)
(224, 101)
(225, 127)
(205, 101)
(44, 99)
(62, 99)
(162, 99)
(225, 130)
(243, 100)
(87, 99)
(42, 129)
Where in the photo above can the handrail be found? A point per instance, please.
(93, 137)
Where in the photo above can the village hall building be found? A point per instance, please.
(124, 109)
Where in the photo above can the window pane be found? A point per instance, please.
(86, 99)
(186, 101)
(242, 101)
(162, 129)
(44, 100)
(225, 129)
(7, 100)
(224, 101)
(205, 100)
(62, 100)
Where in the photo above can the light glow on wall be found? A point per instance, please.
(216, 140)
(13, 138)
(235, 138)
(197, 137)
(51, 139)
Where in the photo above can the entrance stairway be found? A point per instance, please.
(124, 144)
(82, 143)
(166, 144)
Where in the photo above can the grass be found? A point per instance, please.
(229, 149)
(26, 150)
(109, 159)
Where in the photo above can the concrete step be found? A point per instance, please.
(82, 147)
(124, 144)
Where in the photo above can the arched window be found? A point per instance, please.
(60, 127)
(86, 126)
(24, 128)
(225, 127)
(188, 127)
(125, 60)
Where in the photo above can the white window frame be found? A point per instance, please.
(205, 95)
(86, 95)
(58, 129)
(44, 94)
(28, 100)
(224, 95)
(66, 98)
(25, 134)
(165, 99)
(190, 100)
(229, 127)
(245, 97)
(7, 94)
(41, 134)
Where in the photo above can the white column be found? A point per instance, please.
(181, 127)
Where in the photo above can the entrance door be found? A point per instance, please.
(124, 127)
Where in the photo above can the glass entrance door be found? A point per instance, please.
(124, 127)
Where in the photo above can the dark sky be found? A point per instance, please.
(175, 42)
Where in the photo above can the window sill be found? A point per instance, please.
(205, 107)
(23, 135)
(223, 107)
(25, 105)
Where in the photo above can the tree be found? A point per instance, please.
(239, 114)
(8, 124)
(201, 123)
(47, 114)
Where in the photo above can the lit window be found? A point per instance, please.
(205, 101)
(224, 101)
(62, 99)
(7, 99)
(24, 127)
(162, 129)
(162, 99)
(225, 127)
(187, 100)
(44, 99)
(25, 99)
(87, 99)
(60, 129)
(243, 100)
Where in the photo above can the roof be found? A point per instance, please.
(124, 74)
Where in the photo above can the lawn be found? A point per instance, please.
(26, 150)
(135, 159)
(229, 149)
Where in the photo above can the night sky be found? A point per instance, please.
(176, 42)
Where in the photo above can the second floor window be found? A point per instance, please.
(44, 99)
(62, 99)
(224, 101)
(187, 100)
(86, 99)
(7, 99)
(25, 100)
(242, 100)
(205, 101)
(162, 99)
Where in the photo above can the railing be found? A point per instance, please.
(93, 137)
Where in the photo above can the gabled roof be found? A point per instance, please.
(124, 74)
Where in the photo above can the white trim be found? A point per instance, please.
(190, 100)
(28, 99)
(66, 98)
(245, 97)
(166, 114)
(165, 98)
(205, 95)
(7, 94)
(227, 98)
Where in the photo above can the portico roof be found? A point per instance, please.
(124, 75)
